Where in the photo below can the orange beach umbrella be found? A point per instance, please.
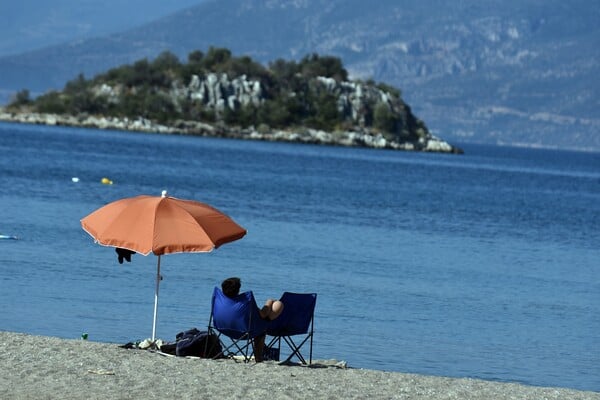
(161, 225)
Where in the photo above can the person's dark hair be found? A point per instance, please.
(231, 287)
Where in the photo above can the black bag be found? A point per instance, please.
(197, 343)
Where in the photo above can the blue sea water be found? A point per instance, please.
(485, 265)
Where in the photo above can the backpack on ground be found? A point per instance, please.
(197, 343)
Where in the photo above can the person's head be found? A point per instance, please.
(231, 287)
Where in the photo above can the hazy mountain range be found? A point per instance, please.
(515, 72)
(27, 25)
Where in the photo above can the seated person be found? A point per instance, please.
(271, 310)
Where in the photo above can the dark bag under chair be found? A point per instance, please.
(197, 344)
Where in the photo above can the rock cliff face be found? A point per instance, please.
(355, 98)
(218, 91)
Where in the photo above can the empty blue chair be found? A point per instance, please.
(296, 319)
(239, 320)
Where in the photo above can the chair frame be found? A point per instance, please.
(236, 345)
(294, 346)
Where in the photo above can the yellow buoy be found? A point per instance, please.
(106, 181)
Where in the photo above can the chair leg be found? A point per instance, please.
(235, 348)
(296, 349)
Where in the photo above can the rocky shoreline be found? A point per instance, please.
(362, 138)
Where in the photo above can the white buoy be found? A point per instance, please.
(75, 179)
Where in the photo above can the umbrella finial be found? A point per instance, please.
(164, 193)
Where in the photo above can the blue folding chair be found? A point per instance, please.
(297, 318)
(237, 319)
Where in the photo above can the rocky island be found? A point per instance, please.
(217, 95)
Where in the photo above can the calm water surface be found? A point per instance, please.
(483, 265)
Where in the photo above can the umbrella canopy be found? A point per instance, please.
(161, 225)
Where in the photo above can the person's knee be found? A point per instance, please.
(269, 303)
(276, 309)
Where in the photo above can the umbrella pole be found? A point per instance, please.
(156, 299)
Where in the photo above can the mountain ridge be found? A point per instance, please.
(488, 71)
(28, 25)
